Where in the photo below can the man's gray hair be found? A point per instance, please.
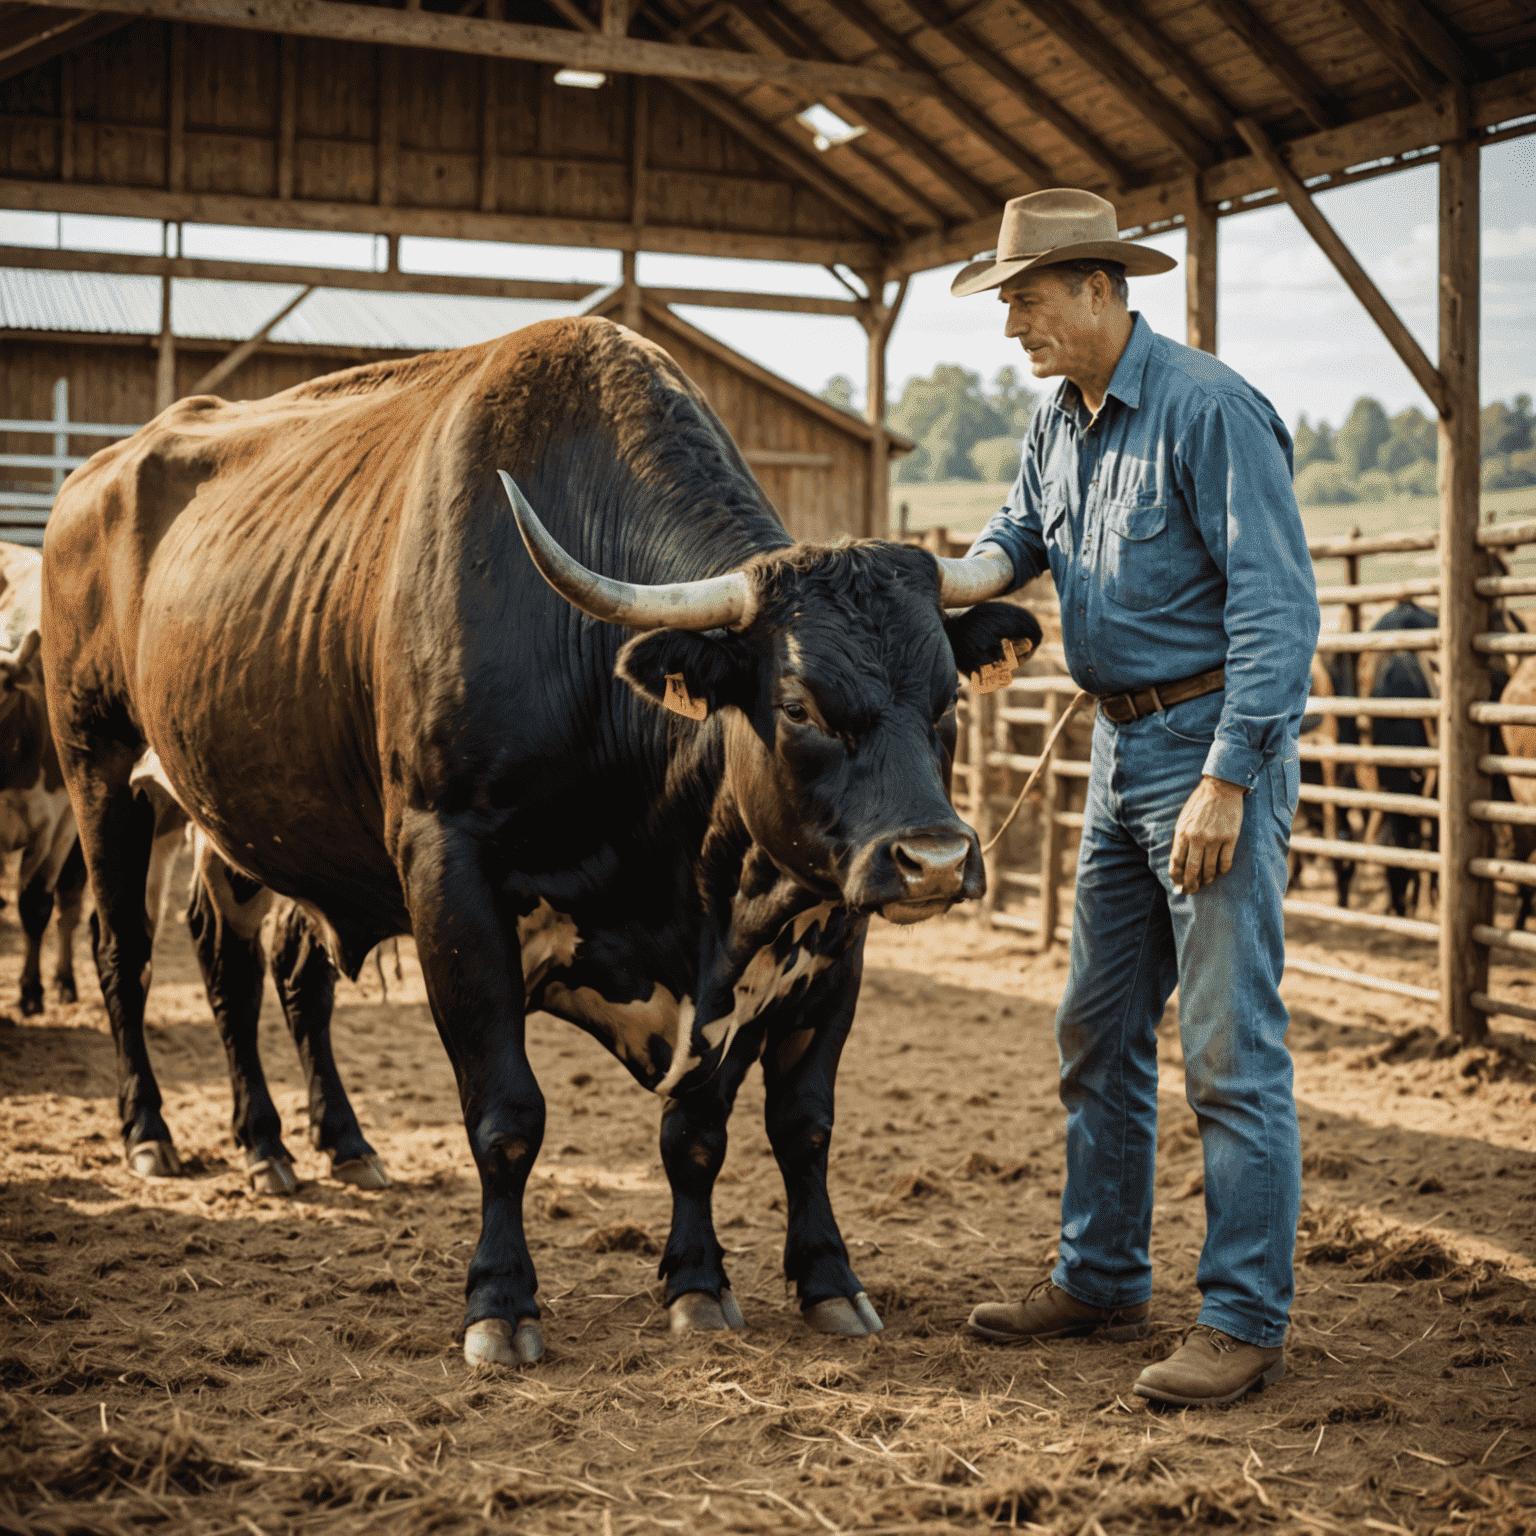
(1075, 273)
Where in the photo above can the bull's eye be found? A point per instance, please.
(795, 711)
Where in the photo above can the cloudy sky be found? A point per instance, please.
(1285, 319)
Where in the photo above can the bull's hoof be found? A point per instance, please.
(494, 1341)
(32, 1002)
(362, 1172)
(272, 1176)
(699, 1312)
(838, 1315)
(154, 1160)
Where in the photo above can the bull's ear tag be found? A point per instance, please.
(996, 674)
(680, 701)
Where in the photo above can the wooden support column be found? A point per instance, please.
(67, 118)
(287, 112)
(489, 121)
(176, 109)
(640, 122)
(1464, 900)
(879, 322)
(1200, 271)
(165, 367)
(387, 153)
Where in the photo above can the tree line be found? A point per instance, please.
(967, 430)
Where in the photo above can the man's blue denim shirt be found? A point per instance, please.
(1175, 541)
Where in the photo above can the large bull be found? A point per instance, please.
(318, 611)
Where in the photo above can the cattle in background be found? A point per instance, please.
(1520, 741)
(35, 813)
(1322, 820)
(673, 841)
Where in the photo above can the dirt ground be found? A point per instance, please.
(183, 1356)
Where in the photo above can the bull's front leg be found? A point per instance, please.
(800, 1060)
(472, 964)
(693, 1142)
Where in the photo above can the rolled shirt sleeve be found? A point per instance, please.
(1233, 468)
(1016, 526)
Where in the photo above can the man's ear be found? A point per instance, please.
(714, 668)
(977, 636)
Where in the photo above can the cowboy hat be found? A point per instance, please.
(1042, 229)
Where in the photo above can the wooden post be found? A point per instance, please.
(387, 154)
(1050, 832)
(978, 718)
(640, 121)
(879, 321)
(60, 439)
(288, 112)
(176, 110)
(165, 367)
(1465, 901)
(67, 117)
(489, 118)
(1200, 271)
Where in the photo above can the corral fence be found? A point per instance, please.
(1030, 873)
(26, 499)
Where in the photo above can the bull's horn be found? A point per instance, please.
(975, 578)
(718, 602)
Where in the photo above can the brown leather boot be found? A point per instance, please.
(1048, 1312)
(1210, 1368)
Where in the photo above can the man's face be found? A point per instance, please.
(1056, 327)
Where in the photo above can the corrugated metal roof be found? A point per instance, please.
(102, 303)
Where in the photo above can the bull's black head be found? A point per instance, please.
(833, 669)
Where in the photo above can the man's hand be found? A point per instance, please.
(1205, 838)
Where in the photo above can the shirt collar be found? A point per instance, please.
(1125, 385)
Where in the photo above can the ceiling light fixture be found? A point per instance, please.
(828, 127)
(585, 79)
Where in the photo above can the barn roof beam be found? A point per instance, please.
(125, 264)
(874, 115)
(1350, 152)
(1418, 28)
(1355, 277)
(37, 34)
(1144, 32)
(232, 359)
(444, 223)
(976, 123)
(1406, 60)
(594, 50)
(1023, 90)
(1106, 60)
(1280, 59)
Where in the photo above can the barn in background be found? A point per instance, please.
(84, 349)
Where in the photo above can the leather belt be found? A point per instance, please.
(1122, 708)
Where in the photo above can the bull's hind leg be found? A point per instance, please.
(800, 1071)
(693, 1139)
(224, 917)
(34, 907)
(69, 897)
(471, 961)
(306, 984)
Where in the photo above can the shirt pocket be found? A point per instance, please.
(1137, 558)
(1056, 530)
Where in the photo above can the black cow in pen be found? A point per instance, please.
(661, 802)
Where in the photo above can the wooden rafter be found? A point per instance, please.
(24, 46)
(1343, 259)
(227, 364)
(1296, 79)
(1106, 61)
(1417, 27)
(1144, 32)
(346, 23)
(873, 114)
(977, 51)
(1420, 78)
(975, 122)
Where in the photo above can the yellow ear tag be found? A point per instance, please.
(680, 701)
(996, 674)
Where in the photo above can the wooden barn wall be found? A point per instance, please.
(115, 382)
(389, 126)
(813, 503)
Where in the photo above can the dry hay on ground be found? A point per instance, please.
(181, 1356)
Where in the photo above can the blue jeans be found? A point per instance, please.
(1133, 941)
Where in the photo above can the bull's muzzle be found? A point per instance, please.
(931, 868)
